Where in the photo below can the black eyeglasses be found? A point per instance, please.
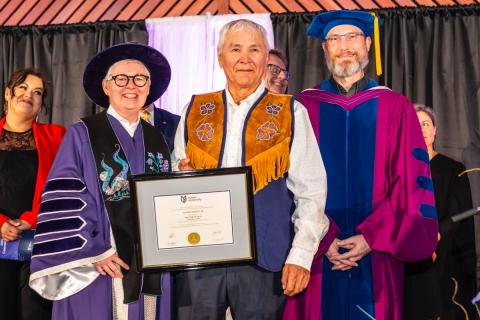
(122, 80)
(276, 70)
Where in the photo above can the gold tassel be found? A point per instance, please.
(269, 165)
(199, 159)
(376, 40)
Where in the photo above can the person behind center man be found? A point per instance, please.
(277, 75)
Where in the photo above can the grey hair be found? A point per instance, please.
(122, 61)
(428, 110)
(239, 25)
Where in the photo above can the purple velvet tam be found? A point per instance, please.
(97, 68)
(324, 22)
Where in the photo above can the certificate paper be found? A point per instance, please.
(194, 219)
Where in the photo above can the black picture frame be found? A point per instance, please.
(236, 183)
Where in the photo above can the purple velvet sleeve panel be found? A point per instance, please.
(403, 220)
(72, 207)
(313, 111)
(332, 233)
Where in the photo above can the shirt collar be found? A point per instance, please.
(111, 111)
(250, 100)
(124, 122)
(355, 88)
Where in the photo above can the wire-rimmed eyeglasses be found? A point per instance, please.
(122, 80)
(349, 37)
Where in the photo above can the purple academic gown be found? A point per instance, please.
(75, 175)
(379, 185)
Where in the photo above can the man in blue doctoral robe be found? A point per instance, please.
(84, 257)
(380, 196)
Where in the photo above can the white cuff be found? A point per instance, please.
(300, 257)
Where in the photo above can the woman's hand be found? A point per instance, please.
(111, 267)
(10, 230)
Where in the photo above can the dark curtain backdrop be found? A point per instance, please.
(430, 55)
(61, 53)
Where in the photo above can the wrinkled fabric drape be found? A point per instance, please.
(182, 41)
(24, 47)
(431, 55)
(61, 53)
(190, 45)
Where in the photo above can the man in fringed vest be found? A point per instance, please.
(84, 257)
(380, 195)
(244, 124)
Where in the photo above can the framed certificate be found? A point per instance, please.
(194, 219)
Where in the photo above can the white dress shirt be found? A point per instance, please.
(306, 177)
(130, 127)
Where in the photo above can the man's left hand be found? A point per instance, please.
(358, 248)
(294, 279)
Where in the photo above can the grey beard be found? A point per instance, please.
(346, 70)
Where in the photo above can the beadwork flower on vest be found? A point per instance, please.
(157, 163)
(267, 131)
(206, 108)
(205, 132)
(273, 109)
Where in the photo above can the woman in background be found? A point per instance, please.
(27, 151)
(430, 285)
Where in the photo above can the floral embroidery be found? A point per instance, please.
(205, 132)
(157, 163)
(267, 131)
(206, 108)
(273, 109)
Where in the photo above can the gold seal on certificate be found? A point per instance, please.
(193, 238)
